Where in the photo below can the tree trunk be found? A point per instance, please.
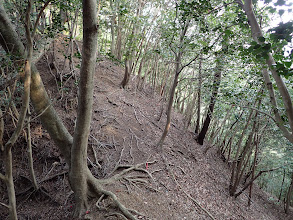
(113, 17)
(280, 195)
(130, 50)
(198, 97)
(289, 194)
(78, 166)
(256, 33)
(216, 85)
(119, 37)
(170, 102)
(253, 173)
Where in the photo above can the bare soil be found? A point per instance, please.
(124, 131)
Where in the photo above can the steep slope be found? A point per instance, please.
(124, 131)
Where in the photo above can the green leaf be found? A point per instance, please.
(281, 12)
(256, 46)
(267, 1)
(261, 39)
(267, 47)
(253, 43)
(272, 10)
(280, 2)
(288, 64)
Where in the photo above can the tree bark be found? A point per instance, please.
(78, 166)
(170, 102)
(11, 43)
(216, 85)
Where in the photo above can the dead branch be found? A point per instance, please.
(53, 176)
(3, 204)
(96, 158)
(135, 114)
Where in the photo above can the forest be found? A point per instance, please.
(147, 109)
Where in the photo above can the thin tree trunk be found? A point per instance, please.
(256, 33)
(11, 43)
(198, 97)
(289, 194)
(280, 195)
(253, 173)
(216, 85)
(113, 17)
(30, 154)
(178, 70)
(234, 164)
(130, 50)
(119, 36)
(78, 166)
(170, 102)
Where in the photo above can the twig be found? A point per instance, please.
(120, 158)
(52, 177)
(7, 206)
(130, 150)
(40, 113)
(118, 214)
(135, 114)
(96, 158)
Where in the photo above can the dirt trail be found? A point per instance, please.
(124, 130)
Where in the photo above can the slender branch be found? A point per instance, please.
(38, 18)
(239, 2)
(200, 52)
(3, 204)
(271, 117)
(215, 9)
(252, 180)
(27, 83)
(39, 115)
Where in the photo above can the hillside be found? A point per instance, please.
(124, 131)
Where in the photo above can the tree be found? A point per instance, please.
(78, 165)
(216, 85)
(129, 55)
(82, 181)
(275, 71)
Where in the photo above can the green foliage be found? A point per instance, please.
(282, 32)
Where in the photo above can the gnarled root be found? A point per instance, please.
(96, 187)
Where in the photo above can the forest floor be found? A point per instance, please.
(124, 131)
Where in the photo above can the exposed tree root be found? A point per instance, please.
(97, 187)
